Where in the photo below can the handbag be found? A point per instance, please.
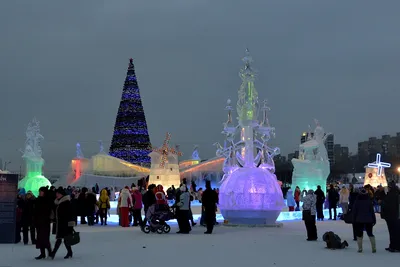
(307, 215)
(348, 217)
(72, 239)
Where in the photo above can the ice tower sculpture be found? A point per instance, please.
(312, 168)
(32, 155)
(249, 193)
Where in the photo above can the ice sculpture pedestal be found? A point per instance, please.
(309, 174)
(251, 196)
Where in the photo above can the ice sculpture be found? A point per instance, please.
(312, 168)
(249, 193)
(164, 165)
(195, 154)
(33, 159)
(375, 173)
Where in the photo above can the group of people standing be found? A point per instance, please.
(50, 208)
(358, 206)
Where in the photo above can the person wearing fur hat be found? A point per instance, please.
(209, 204)
(364, 219)
(183, 211)
(42, 214)
(64, 221)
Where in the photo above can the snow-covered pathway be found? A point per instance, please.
(113, 246)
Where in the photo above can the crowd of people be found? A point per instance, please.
(56, 211)
(37, 217)
(359, 208)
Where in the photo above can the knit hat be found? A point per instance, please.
(21, 191)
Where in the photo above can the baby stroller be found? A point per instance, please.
(157, 216)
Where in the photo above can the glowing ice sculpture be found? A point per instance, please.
(312, 168)
(249, 193)
(34, 161)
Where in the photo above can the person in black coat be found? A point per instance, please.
(28, 225)
(149, 199)
(352, 198)
(364, 219)
(333, 198)
(209, 205)
(64, 221)
(390, 213)
(42, 214)
(82, 207)
(320, 203)
(90, 203)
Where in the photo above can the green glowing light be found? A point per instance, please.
(33, 181)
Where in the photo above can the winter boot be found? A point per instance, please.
(42, 254)
(69, 254)
(56, 247)
(373, 243)
(359, 244)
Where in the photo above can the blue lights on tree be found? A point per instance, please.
(131, 141)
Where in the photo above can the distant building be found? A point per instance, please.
(329, 145)
(386, 145)
(341, 153)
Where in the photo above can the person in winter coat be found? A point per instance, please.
(104, 206)
(42, 214)
(125, 202)
(390, 213)
(20, 207)
(320, 203)
(297, 194)
(209, 206)
(309, 212)
(137, 207)
(353, 194)
(91, 204)
(28, 225)
(344, 199)
(291, 203)
(64, 221)
(333, 198)
(183, 211)
(333, 241)
(364, 219)
(160, 196)
(149, 199)
(82, 210)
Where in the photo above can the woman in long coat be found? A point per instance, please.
(42, 213)
(309, 212)
(64, 221)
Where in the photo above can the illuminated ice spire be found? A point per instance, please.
(247, 104)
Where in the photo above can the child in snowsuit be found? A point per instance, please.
(333, 241)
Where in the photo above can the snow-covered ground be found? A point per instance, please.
(113, 246)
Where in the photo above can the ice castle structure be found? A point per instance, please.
(312, 168)
(250, 193)
(32, 155)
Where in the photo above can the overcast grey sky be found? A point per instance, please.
(65, 63)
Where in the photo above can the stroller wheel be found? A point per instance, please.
(167, 228)
(160, 230)
(146, 229)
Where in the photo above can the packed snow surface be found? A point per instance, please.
(228, 246)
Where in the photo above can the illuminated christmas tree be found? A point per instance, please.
(131, 140)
